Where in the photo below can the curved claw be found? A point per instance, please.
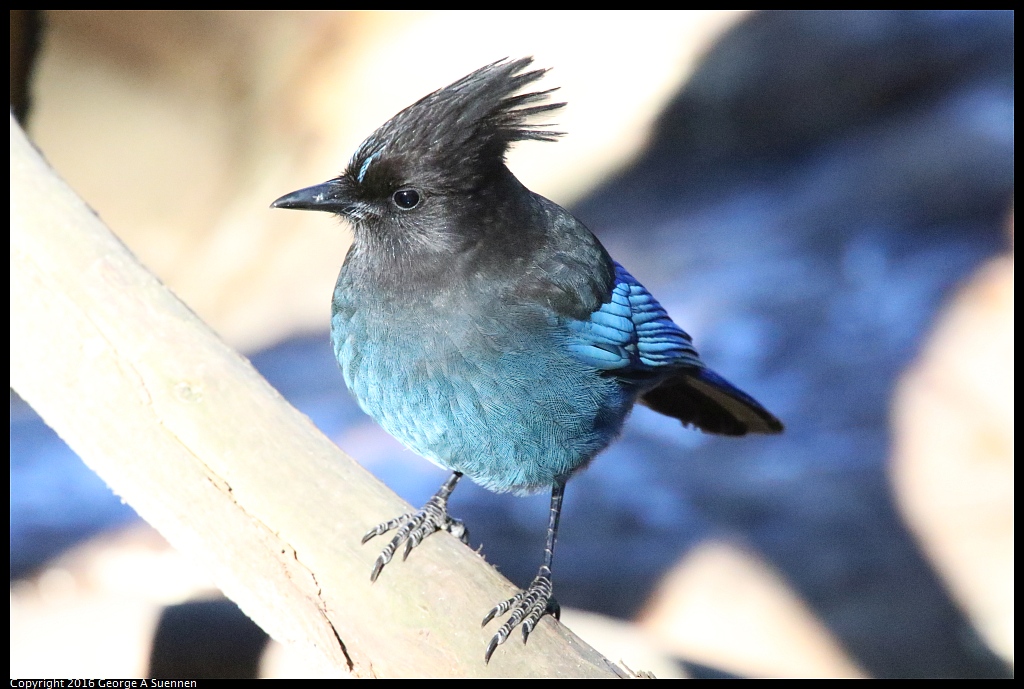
(378, 566)
(489, 616)
(554, 609)
(527, 628)
(408, 549)
(495, 642)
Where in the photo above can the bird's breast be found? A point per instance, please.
(491, 392)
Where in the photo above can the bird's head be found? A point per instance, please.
(440, 160)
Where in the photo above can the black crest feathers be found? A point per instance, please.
(467, 125)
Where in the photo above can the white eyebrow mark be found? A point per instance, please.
(365, 166)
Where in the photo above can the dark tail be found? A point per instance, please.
(702, 398)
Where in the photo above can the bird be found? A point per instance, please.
(485, 327)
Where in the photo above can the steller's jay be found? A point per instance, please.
(485, 327)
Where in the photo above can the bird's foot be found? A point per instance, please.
(527, 608)
(414, 527)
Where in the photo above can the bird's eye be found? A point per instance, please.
(406, 199)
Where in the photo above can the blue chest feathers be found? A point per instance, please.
(503, 400)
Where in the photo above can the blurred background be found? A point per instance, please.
(823, 200)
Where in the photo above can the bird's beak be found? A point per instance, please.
(330, 197)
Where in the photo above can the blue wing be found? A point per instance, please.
(631, 333)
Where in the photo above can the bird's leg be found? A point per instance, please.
(536, 601)
(415, 526)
